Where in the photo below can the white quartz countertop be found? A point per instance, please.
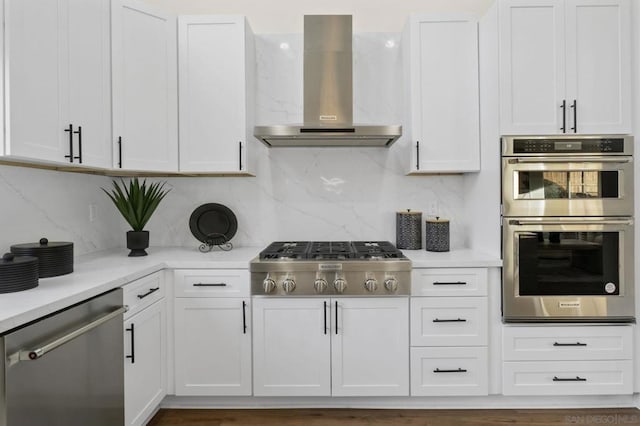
(102, 271)
(462, 258)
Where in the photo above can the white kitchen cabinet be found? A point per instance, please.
(216, 70)
(567, 360)
(449, 331)
(145, 348)
(212, 333)
(565, 66)
(339, 347)
(370, 347)
(58, 77)
(144, 88)
(441, 60)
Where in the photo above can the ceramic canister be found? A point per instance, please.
(437, 234)
(409, 230)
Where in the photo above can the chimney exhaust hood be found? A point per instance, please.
(328, 93)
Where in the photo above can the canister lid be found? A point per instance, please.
(436, 220)
(408, 211)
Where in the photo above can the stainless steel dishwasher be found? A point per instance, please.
(66, 368)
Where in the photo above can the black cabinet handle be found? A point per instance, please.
(564, 116)
(574, 105)
(569, 344)
(569, 379)
(417, 155)
(336, 317)
(240, 154)
(70, 130)
(459, 370)
(120, 152)
(132, 357)
(325, 317)
(244, 317)
(151, 291)
(210, 284)
(449, 283)
(79, 133)
(450, 320)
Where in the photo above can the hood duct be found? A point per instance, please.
(328, 93)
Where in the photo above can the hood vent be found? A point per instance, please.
(328, 93)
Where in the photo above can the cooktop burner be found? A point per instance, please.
(330, 250)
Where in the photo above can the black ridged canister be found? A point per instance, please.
(18, 273)
(55, 258)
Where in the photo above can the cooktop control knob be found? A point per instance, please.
(288, 285)
(320, 285)
(269, 285)
(391, 284)
(340, 284)
(371, 284)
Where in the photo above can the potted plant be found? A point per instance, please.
(137, 202)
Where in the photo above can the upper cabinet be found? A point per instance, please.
(57, 69)
(144, 88)
(441, 61)
(216, 67)
(565, 66)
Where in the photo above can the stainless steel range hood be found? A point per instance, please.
(328, 93)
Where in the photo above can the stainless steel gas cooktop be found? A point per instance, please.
(324, 268)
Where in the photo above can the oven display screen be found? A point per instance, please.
(567, 146)
(569, 263)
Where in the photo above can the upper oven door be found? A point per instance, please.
(567, 186)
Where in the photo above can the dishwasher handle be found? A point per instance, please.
(39, 352)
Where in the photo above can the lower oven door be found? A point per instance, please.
(568, 269)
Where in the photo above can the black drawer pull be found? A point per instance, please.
(570, 379)
(449, 283)
(459, 370)
(210, 285)
(244, 317)
(450, 320)
(569, 344)
(151, 291)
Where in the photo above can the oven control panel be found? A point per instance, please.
(568, 146)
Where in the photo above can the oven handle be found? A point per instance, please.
(610, 160)
(571, 222)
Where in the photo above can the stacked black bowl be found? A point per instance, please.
(18, 273)
(55, 258)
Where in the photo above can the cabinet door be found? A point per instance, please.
(599, 65)
(291, 347)
(213, 99)
(370, 347)
(444, 94)
(145, 363)
(212, 346)
(144, 88)
(532, 67)
(37, 116)
(89, 80)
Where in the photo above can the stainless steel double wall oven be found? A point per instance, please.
(567, 226)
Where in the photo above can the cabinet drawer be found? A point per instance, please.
(567, 378)
(567, 343)
(449, 371)
(211, 282)
(143, 292)
(449, 282)
(449, 321)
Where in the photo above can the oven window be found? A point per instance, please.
(546, 185)
(568, 263)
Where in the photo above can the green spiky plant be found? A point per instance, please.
(137, 202)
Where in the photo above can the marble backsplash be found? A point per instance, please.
(297, 194)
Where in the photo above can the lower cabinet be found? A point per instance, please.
(567, 360)
(212, 346)
(212, 319)
(145, 348)
(338, 346)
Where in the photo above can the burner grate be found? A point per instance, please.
(285, 250)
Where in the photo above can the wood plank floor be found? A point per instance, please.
(352, 417)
